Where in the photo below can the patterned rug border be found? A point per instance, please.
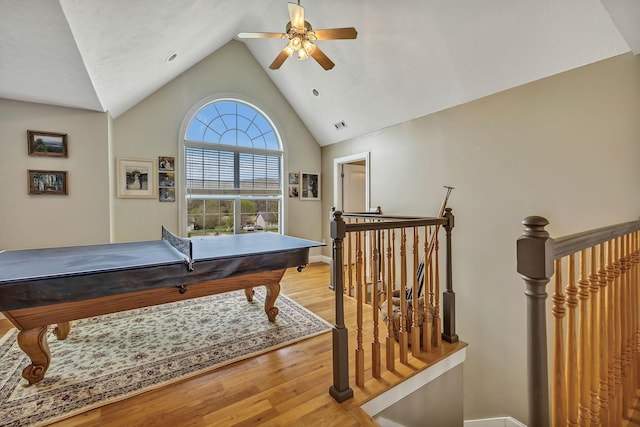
(258, 299)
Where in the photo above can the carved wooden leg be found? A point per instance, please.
(273, 290)
(62, 330)
(34, 343)
(249, 292)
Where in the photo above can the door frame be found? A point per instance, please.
(337, 178)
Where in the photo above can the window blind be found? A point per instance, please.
(211, 171)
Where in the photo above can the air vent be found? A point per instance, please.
(340, 125)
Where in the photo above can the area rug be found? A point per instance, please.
(109, 358)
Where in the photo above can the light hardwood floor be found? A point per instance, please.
(286, 387)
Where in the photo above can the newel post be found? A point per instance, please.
(340, 389)
(534, 250)
(449, 297)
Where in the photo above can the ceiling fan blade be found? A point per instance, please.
(336, 33)
(282, 56)
(321, 58)
(296, 12)
(262, 36)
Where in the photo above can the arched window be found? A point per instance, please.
(233, 170)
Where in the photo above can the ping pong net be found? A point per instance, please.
(184, 246)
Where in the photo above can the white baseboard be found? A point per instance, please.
(320, 258)
(494, 422)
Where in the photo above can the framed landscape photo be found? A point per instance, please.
(309, 186)
(136, 178)
(47, 144)
(47, 182)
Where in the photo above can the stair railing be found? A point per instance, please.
(596, 323)
(376, 258)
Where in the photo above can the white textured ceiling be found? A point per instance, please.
(411, 58)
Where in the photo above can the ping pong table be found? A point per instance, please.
(54, 286)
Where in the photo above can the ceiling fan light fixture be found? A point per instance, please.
(295, 43)
(302, 54)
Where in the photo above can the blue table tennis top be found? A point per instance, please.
(44, 276)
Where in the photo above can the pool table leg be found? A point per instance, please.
(62, 330)
(273, 290)
(34, 343)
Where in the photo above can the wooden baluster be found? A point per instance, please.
(437, 321)
(359, 302)
(363, 266)
(350, 265)
(611, 367)
(603, 393)
(624, 327)
(617, 304)
(402, 334)
(558, 388)
(631, 322)
(594, 327)
(393, 264)
(415, 325)
(572, 346)
(631, 316)
(636, 300)
(368, 276)
(390, 342)
(633, 301)
(427, 325)
(584, 349)
(376, 365)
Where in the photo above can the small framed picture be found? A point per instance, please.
(136, 178)
(47, 144)
(294, 178)
(47, 182)
(167, 195)
(309, 186)
(166, 163)
(166, 179)
(293, 191)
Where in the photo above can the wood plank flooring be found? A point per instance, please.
(285, 387)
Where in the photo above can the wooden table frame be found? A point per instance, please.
(33, 322)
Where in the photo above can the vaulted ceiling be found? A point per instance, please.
(411, 58)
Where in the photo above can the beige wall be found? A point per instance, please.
(91, 213)
(152, 128)
(565, 147)
(82, 217)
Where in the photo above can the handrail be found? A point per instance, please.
(378, 224)
(536, 253)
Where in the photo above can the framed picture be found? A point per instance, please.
(309, 186)
(167, 195)
(294, 178)
(166, 163)
(136, 178)
(293, 191)
(47, 144)
(166, 179)
(47, 182)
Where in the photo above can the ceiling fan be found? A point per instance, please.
(301, 37)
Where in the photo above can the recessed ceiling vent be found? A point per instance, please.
(340, 125)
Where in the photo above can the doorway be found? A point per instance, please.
(351, 183)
